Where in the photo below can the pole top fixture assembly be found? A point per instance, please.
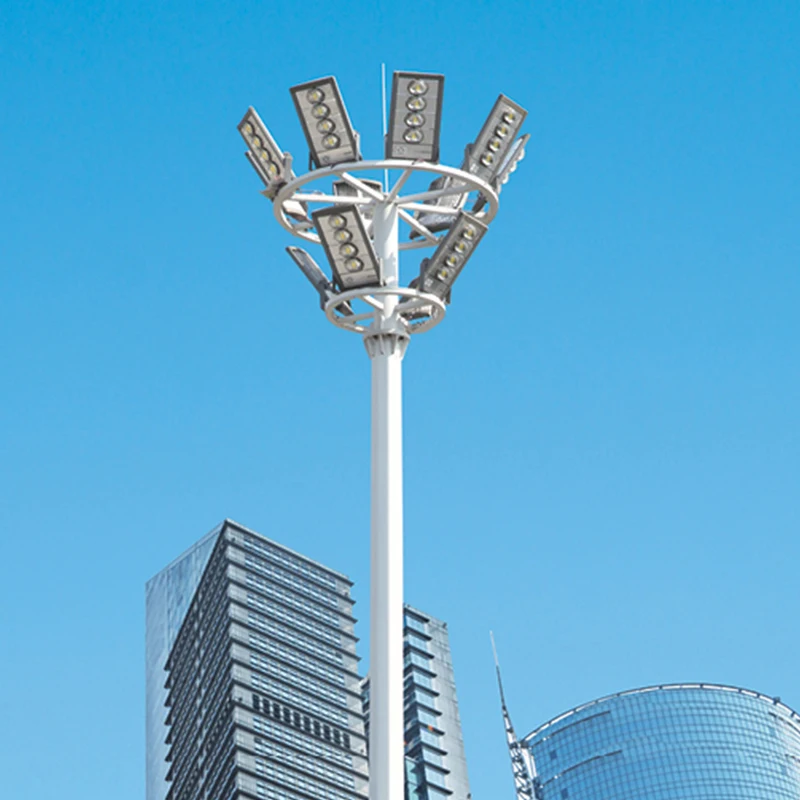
(340, 204)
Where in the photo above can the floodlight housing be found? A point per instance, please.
(342, 188)
(415, 116)
(433, 221)
(350, 252)
(329, 133)
(515, 155)
(316, 277)
(488, 152)
(439, 272)
(264, 154)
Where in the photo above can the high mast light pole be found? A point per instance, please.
(338, 204)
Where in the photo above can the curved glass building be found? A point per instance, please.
(677, 742)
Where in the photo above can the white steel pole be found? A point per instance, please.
(386, 342)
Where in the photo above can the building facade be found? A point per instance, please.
(676, 742)
(167, 598)
(436, 767)
(252, 683)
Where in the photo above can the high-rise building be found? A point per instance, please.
(676, 742)
(252, 683)
(436, 768)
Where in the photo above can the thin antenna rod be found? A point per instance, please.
(385, 124)
(499, 679)
(522, 766)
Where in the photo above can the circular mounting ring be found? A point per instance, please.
(290, 202)
(416, 311)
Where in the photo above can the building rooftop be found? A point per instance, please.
(717, 687)
(217, 529)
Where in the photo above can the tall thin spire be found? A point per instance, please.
(521, 766)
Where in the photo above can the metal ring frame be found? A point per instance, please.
(416, 311)
(428, 306)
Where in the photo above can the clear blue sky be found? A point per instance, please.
(602, 439)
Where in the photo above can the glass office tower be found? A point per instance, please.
(436, 767)
(252, 684)
(678, 742)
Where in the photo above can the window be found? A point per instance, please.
(415, 623)
(415, 640)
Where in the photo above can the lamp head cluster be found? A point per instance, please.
(344, 227)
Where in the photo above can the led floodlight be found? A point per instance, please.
(439, 222)
(264, 154)
(415, 116)
(515, 155)
(439, 272)
(488, 152)
(350, 252)
(344, 189)
(330, 136)
(316, 277)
